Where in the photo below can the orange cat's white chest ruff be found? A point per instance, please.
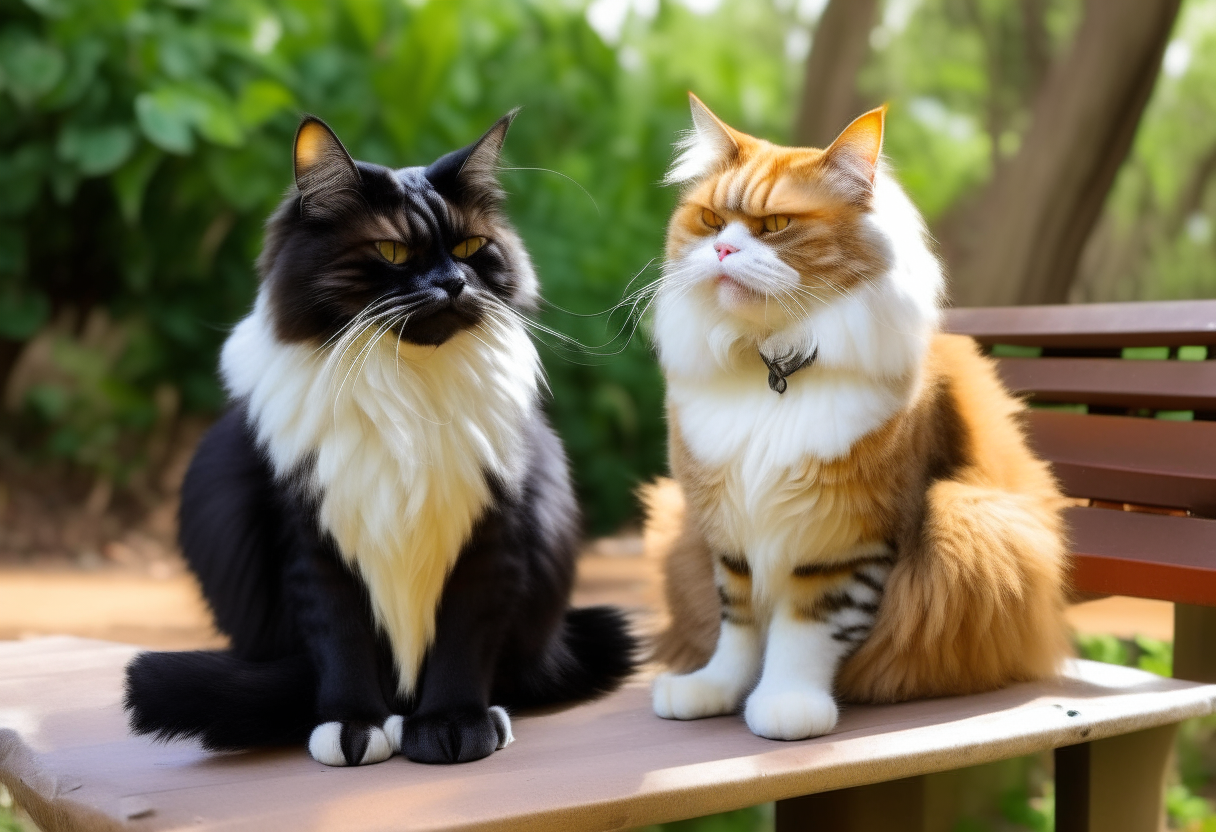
(765, 450)
(736, 418)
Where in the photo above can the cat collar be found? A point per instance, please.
(784, 366)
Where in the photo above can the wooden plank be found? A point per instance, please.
(1127, 776)
(1143, 555)
(1194, 635)
(1157, 385)
(1130, 460)
(66, 754)
(1153, 324)
(894, 806)
(1072, 788)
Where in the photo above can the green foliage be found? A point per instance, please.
(1155, 656)
(1189, 811)
(1102, 647)
(8, 823)
(1156, 237)
(12, 819)
(1142, 652)
(960, 77)
(1037, 814)
(143, 142)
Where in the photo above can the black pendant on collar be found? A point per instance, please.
(784, 366)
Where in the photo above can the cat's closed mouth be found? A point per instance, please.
(735, 290)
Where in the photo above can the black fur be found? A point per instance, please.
(304, 646)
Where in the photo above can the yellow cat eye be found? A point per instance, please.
(394, 252)
(776, 222)
(711, 219)
(469, 247)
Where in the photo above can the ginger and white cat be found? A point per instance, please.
(857, 514)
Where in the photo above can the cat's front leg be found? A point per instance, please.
(827, 612)
(794, 698)
(719, 687)
(454, 722)
(354, 726)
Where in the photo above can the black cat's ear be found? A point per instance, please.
(471, 173)
(326, 176)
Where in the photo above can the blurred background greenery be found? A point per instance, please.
(143, 142)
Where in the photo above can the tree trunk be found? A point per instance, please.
(838, 51)
(1024, 241)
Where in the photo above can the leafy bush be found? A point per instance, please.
(143, 142)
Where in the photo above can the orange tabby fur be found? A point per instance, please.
(975, 604)
(975, 598)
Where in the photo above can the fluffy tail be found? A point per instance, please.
(978, 606)
(225, 702)
(593, 653)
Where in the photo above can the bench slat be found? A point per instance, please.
(1130, 460)
(1154, 324)
(1143, 555)
(1158, 385)
(609, 764)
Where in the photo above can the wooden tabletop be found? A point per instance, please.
(66, 756)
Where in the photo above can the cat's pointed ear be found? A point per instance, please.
(856, 150)
(326, 176)
(471, 173)
(709, 143)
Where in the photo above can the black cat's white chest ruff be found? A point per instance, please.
(399, 442)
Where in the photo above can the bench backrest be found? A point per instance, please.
(1123, 400)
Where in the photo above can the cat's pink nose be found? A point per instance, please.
(724, 249)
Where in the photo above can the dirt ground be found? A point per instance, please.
(162, 607)
(157, 603)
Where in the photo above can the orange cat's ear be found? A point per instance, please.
(703, 148)
(856, 150)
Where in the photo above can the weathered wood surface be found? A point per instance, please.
(1129, 460)
(1169, 323)
(65, 754)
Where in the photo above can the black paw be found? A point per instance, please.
(458, 736)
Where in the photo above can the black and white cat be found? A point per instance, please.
(382, 521)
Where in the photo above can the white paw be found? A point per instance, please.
(349, 744)
(791, 714)
(693, 696)
(502, 723)
(392, 729)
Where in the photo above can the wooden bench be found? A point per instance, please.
(65, 754)
(1114, 454)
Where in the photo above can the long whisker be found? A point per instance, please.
(563, 176)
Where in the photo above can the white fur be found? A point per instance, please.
(397, 440)
(720, 686)
(325, 745)
(392, 728)
(700, 148)
(503, 720)
(794, 698)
